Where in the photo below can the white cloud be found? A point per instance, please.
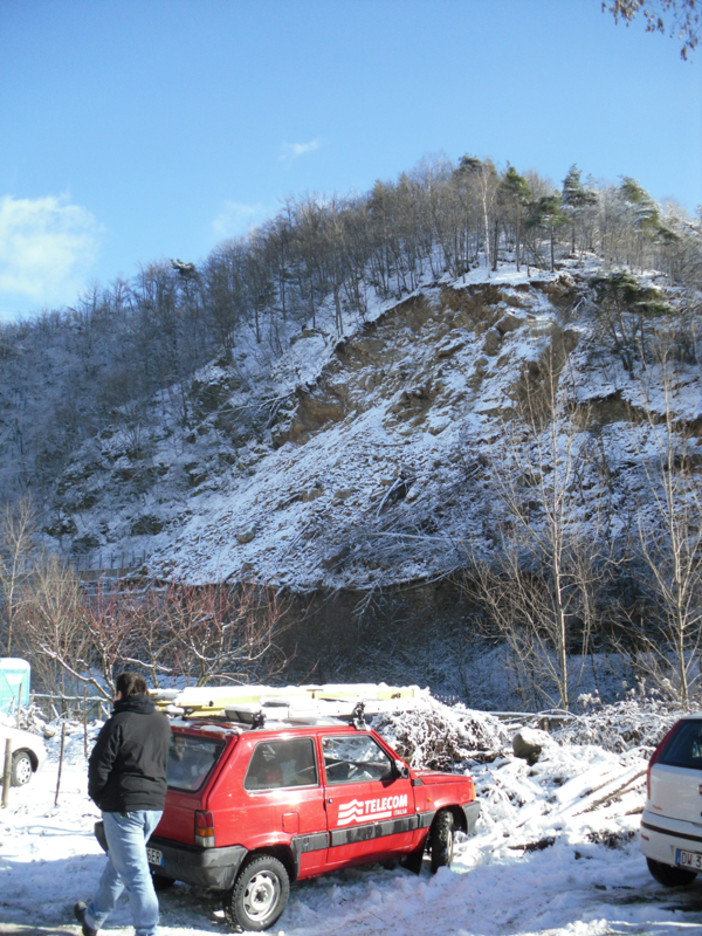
(292, 151)
(47, 246)
(237, 218)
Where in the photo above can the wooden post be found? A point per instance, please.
(85, 722)
(7, 773)
(60, 766)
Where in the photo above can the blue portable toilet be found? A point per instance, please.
(14, 683)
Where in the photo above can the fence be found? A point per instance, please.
(95, 563)
(84, 708)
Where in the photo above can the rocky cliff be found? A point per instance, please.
(370, 459)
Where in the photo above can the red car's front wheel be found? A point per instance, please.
(441, 838)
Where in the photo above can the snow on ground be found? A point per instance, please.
(555, 854)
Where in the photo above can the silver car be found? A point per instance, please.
(671, 825)
(27, 753)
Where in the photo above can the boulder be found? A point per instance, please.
(528, 744)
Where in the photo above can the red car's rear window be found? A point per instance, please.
(190, 760)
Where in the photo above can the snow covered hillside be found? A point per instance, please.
(555, 852)
(369, 459)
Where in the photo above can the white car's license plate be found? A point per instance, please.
(688, 859)
(155, 857)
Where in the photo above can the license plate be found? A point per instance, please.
(688, 859)
(155, 857)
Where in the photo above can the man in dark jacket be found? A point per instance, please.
(127, 780)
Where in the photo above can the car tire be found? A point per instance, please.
(22, 768)
(259, 895)
(441, 838)
(669, 876)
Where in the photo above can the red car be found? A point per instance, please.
(250, 809)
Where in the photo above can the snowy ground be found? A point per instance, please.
(555, 853)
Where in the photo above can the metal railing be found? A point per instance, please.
(84, 707)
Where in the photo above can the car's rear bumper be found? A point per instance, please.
(205, 867)
(661, 836)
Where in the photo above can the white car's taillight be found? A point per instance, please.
(660, 747)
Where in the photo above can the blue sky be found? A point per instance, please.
(140, 130)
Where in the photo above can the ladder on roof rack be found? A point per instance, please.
(295, 704)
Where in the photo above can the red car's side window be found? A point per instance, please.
(354, 758)
(279, 764)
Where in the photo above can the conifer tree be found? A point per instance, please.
(576, 200)
(514, 194)
(642, 215)
(546, 214)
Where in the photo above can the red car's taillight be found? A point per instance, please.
(660, 747)
(204, 829)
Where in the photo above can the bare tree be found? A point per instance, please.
(539, 585)
(478, 182)
(52, 628)
(85, 638)
(223, 634)
(665, 643)
(225, 292)
(200, 633)
(16, 533)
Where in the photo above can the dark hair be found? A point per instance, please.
(130, 685)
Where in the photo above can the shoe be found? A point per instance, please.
(79, 914)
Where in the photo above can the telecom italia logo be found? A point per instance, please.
(383, 808)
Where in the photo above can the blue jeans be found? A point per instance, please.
(127, 869)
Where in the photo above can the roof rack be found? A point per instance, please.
(319, 711)
(254, 705)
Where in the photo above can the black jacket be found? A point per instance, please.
(127, 767)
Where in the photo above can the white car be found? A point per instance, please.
(671, 825)
(27, 753)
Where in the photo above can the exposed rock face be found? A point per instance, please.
(376, 469)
